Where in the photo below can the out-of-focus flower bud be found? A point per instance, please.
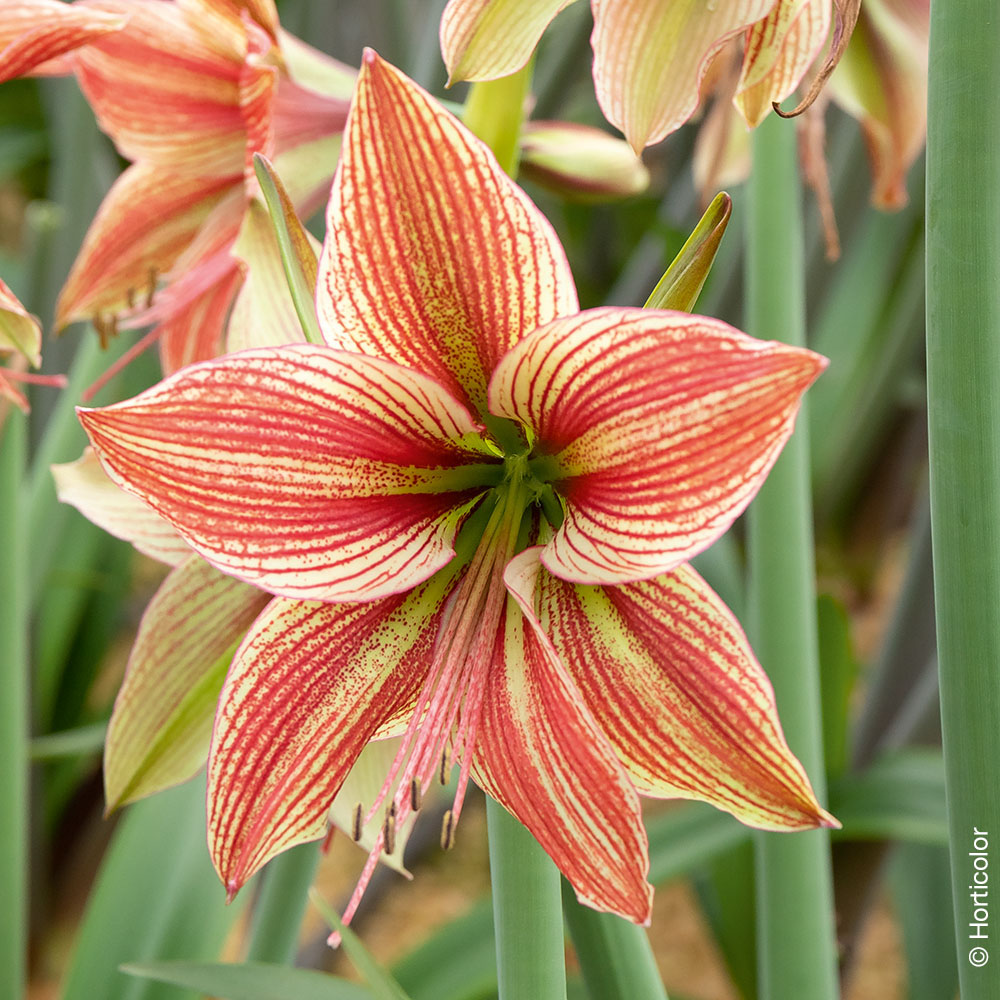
(579, 162)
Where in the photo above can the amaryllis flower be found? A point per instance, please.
(188, 90)
(650, 55)
(473, 504)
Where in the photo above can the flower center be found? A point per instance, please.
(445, 719)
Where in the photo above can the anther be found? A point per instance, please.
(445, 771)
(357, 823)
(101, 326)
(448, 831)
(416, 795)
(130, 297)
(389, 830)
(151, 286)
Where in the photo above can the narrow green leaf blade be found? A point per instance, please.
(900, 797)
(78, 742)
(296, 252)
(684, 838)
(683, 281)
(249, 981)
(383, 986)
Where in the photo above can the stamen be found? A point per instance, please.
(101, 326)
(357, 824)
(130, 297)
(127, 358)
(444, 721)
(151, 286)
(389, 830)
(448, 831)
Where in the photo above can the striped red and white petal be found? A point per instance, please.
(33, 32)
(487, 39)
(779, 50)
(650, 57)
(661, 427)
(542, 755)
(307, 690)
(195, 329)
(667, 672)
(161, 725)
(20, 332)
(187, 86)
(86, 486)
(308, 472)
(433, 258)
(146, 221)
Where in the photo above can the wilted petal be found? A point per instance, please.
(667, 672)
(19, 330)
(541, 754)
(162, 720)
(32, 32)
(308, 472)
(433, 257)
(85, 485)
(779, 50)
(662, 426)
(486, 39)
(650, 56)
(580, 162)
(882, 81)
(307, 690)
(147, 220)
(721, 149)
(177, 86)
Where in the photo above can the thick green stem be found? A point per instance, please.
(527, 912)
(796, 944)
(614, 955)
(963, 386)
(494, 111)
(14, 712)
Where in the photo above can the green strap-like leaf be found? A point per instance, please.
(296, 252)
(900, 797)
(249, 981)
(383, 986)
